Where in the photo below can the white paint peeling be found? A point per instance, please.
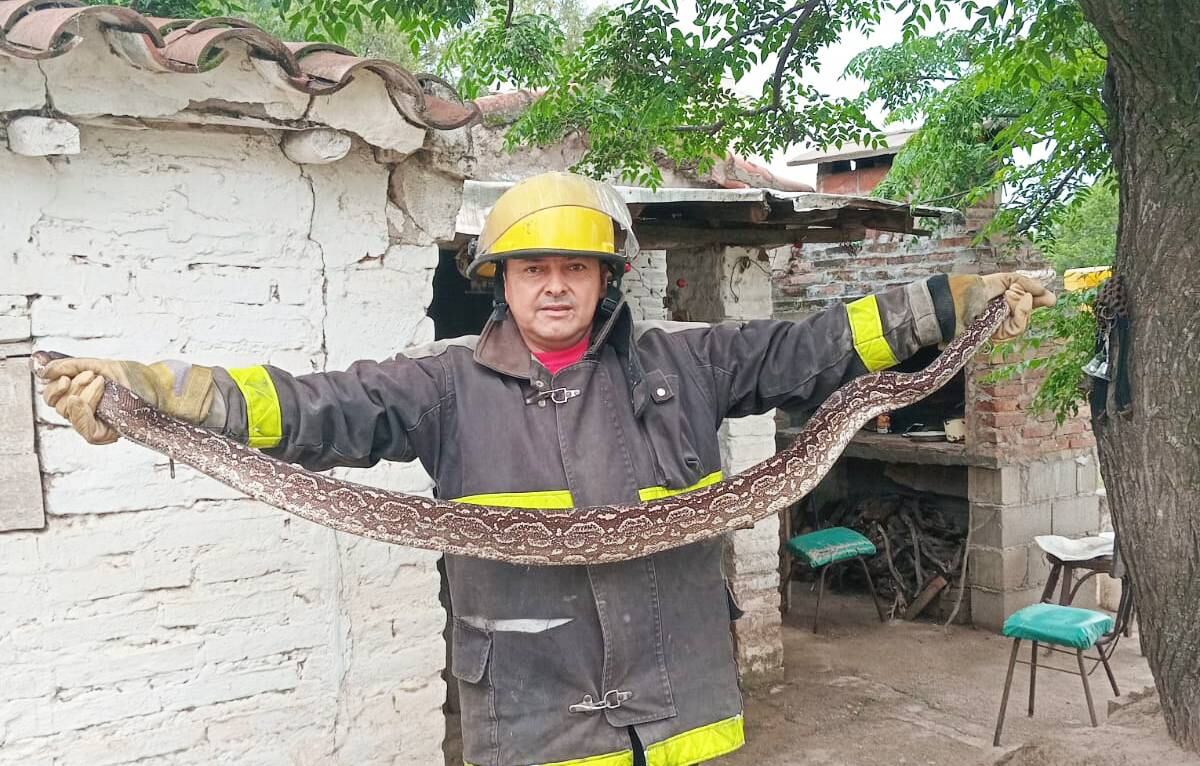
(174, 620)
(364, 108)
(22, 85)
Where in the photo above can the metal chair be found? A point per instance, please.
(1064, 571)
(1056, 626)
(826, 547)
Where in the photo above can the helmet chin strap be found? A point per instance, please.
(499, 303)
(612, 294)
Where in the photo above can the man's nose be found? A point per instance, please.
(556, 283)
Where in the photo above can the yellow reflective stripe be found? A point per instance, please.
(545, 499)
(867, 327)
(622, 758)
(690, 747)
(698, 745)
(559, 499)
(264, 421)
(656, 493)
(1083, 278)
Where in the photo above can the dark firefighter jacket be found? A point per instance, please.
(555, 664)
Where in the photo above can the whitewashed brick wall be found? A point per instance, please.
(733, 284)
(171, 620)
(645, 285)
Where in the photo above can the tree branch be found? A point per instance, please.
(806, 6)
(1032, 218)
(945, 198)
(508, 15)
(1078, 105)
(1102, 127)
(785, 54)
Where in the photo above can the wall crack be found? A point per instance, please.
(48, 107)
(312, 216)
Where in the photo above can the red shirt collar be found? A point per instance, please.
(556, 360)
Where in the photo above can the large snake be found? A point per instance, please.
(592, 535)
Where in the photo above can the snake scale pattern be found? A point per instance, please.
(592, 535)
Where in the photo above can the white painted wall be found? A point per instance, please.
(733, 284)
(173, 621)
(645, 285)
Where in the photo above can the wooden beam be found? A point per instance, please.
(700, 212)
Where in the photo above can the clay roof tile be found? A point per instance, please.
(37, 29)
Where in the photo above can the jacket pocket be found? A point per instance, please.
(469, 654)
(669, 432)
(471, 649)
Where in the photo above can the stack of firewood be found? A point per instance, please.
(920, 542)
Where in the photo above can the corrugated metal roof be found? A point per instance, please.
(764, 217)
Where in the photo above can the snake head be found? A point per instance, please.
(43, 358)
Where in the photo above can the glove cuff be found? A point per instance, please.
(970, 295)
(182, 390)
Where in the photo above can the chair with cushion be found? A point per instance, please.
(1074, 630)
(826, 547)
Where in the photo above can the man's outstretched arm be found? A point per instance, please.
(373, 411)
(762, 364)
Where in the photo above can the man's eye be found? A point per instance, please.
(532, 269)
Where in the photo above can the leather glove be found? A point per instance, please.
(75, 386)
(1023, 295)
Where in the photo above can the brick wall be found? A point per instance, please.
(814, 276)
(176, 621)
(854, 182)
(1002, 426)
(645, 285)
(1040, 478)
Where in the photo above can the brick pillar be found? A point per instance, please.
(1032, 477)
(734, 284)
(645, 285)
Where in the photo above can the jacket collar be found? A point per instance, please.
(502, 349)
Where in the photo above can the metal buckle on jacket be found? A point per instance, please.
(610, 700)
(556, 395)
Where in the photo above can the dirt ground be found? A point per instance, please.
(862, 693)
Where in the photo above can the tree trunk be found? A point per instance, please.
(1150, 456)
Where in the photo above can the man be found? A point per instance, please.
(564, 401)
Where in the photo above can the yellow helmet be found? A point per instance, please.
(556, 214)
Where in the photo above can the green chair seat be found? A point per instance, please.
(1059, 625)
(827, 546)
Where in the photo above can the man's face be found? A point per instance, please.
(553, 299)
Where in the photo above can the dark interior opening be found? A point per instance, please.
(929, 414)
(458, 307)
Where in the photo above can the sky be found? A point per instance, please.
(828, 79)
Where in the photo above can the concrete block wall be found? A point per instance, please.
(722, 284)
(816, 276)
(20, 478)
(1012, 504)
(174, 621)
(1035, 477)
